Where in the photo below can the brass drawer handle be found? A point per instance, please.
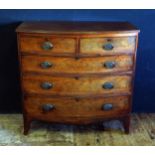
(107, 106)
(108, 85)
(108, 46)
(110, 64)
(47, 45)
(46, 85)
(46, 65)
(48, 107)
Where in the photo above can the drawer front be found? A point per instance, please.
(46, 45)
(106, 46)
(83, 65)
(72, 86)
(52, 108)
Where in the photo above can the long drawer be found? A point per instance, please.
(46, 45)
(107, 46)
(48, 85)
(53, 108)
(71, 65)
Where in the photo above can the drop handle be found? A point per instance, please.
(108, 85)
(107, 106)
(108, 46)
(46, 85)
(47, 45)
(48, 107)
(46, 65)
(109, 64)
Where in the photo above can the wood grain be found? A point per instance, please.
(32, 44)
(76, 66)
(72, 108)
(95, 45)
(73, 86)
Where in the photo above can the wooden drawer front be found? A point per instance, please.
(70, 65)
(105, 46)
(71, 86)
(46, 45)
(51, 108)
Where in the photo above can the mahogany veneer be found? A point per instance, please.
(77, 72)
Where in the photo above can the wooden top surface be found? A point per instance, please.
(75, 27)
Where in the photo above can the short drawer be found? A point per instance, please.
(46, 45)
(71, 65)
(53, 108)
(107, 46)
(47, 85)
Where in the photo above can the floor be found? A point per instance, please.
(142, 133)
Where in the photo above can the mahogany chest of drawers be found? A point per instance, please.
(77, 72)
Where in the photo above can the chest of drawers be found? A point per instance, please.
(77, 72)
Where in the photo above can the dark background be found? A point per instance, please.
(144, 96)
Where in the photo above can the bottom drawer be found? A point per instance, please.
(57, 109)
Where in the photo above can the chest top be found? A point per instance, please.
(76, 27)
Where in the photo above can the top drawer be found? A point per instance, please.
(46, 45)
(107, 46)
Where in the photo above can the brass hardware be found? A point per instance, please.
(109, 64)
(47, 45)
(48, 107)
(108, 85)
(107, 106)
(108, 46)
(46, 64)
(46, 85)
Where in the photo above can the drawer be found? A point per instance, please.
(46, 45)
(107, 46)
(71, 65)
(49, 85)
(53, 108)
